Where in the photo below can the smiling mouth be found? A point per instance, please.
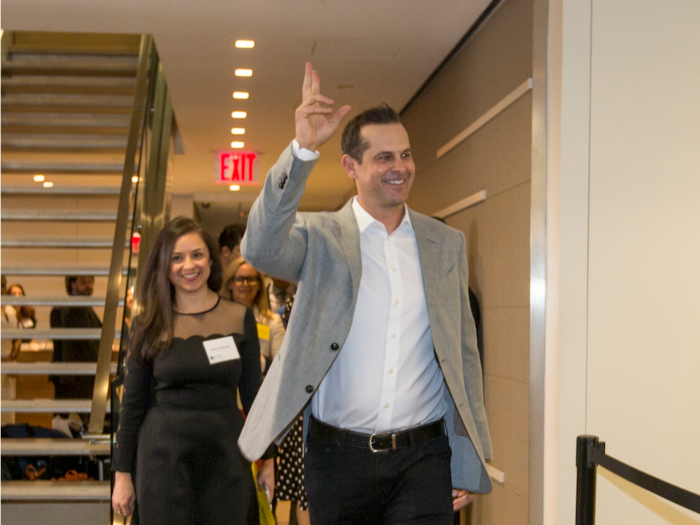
(190, 277)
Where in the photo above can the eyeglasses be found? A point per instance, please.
(239, 279)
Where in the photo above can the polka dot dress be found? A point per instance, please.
(290, 475)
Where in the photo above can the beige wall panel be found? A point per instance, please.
(507, 408)
(644, 284)
(55, 513)
(471, 223)
(507, 249)
(506, 343)
(496, 60)
(496, 158)
(504, 506)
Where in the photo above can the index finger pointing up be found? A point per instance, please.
(315, 83)
(306, 88)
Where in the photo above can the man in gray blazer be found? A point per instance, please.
(380, 351)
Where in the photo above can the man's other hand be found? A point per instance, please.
(461, 498)
(312, 127)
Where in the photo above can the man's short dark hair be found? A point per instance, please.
(70, 279)
(231, 236)
(352, 143)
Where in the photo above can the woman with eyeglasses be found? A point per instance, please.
(190, 353)
(244, 284)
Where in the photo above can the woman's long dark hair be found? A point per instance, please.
(153, 329)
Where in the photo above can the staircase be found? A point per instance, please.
(73, 112)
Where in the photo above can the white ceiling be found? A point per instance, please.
(384, 49)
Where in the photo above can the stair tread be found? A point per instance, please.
(58, 270)
(72, 300)
(53, 447)
(55, 333)
(54, 242)
(20, 189)
(40, 406)
(45, 368)
(55, 490)
(58, 215)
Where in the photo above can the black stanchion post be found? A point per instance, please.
(585, 480)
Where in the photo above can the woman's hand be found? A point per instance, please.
(266, 477)
(123, 497)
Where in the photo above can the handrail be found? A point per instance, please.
(590, 452)
(104, 358)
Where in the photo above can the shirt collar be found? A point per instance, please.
(365, 220)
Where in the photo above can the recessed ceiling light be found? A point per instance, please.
(135, 179)
(245, 44)
(234, 187)
(244, 72)
(39, 178)
(48, 184)
(240, 95)
(237, 144)
(239, 114)
(238, 131)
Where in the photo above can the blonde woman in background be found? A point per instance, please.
(244, 284)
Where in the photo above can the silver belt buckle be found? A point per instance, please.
(375, 451)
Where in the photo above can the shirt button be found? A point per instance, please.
(334, 346)
(396, 302)
(386, 406)
(393, 269)
(309, 389)
(393, 336)
(391, 371)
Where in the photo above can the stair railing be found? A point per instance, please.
(150, 137)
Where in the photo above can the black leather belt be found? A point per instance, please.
(377, 443)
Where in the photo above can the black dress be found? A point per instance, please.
(188, 469)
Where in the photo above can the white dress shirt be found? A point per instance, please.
(386, 376)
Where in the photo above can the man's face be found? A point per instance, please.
(385, 176)
(229, 254)
(83, 285)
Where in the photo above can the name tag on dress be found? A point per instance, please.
(263, 332)
(220, 350)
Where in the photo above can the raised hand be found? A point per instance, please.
(313, 128)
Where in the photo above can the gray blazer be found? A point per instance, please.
(321, 251)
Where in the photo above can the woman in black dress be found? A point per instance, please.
(191, 351)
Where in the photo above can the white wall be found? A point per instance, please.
(627, 343)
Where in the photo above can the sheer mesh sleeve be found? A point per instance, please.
(137, 381)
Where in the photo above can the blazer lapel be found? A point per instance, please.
(429, 253)
(348, 234)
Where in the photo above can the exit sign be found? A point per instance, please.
(236, 167)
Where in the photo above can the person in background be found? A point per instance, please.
(9, 312)
(244, 284)
(230, 243)
(26, 315)
(75, 351)
(198, 351)
(10, 347)
(279, 292)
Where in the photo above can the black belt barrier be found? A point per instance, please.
(590, 453)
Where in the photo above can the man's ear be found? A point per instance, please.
(225, 252)
(350, 165)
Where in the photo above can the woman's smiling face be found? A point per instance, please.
(189, 264)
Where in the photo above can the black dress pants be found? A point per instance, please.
(349, 485)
